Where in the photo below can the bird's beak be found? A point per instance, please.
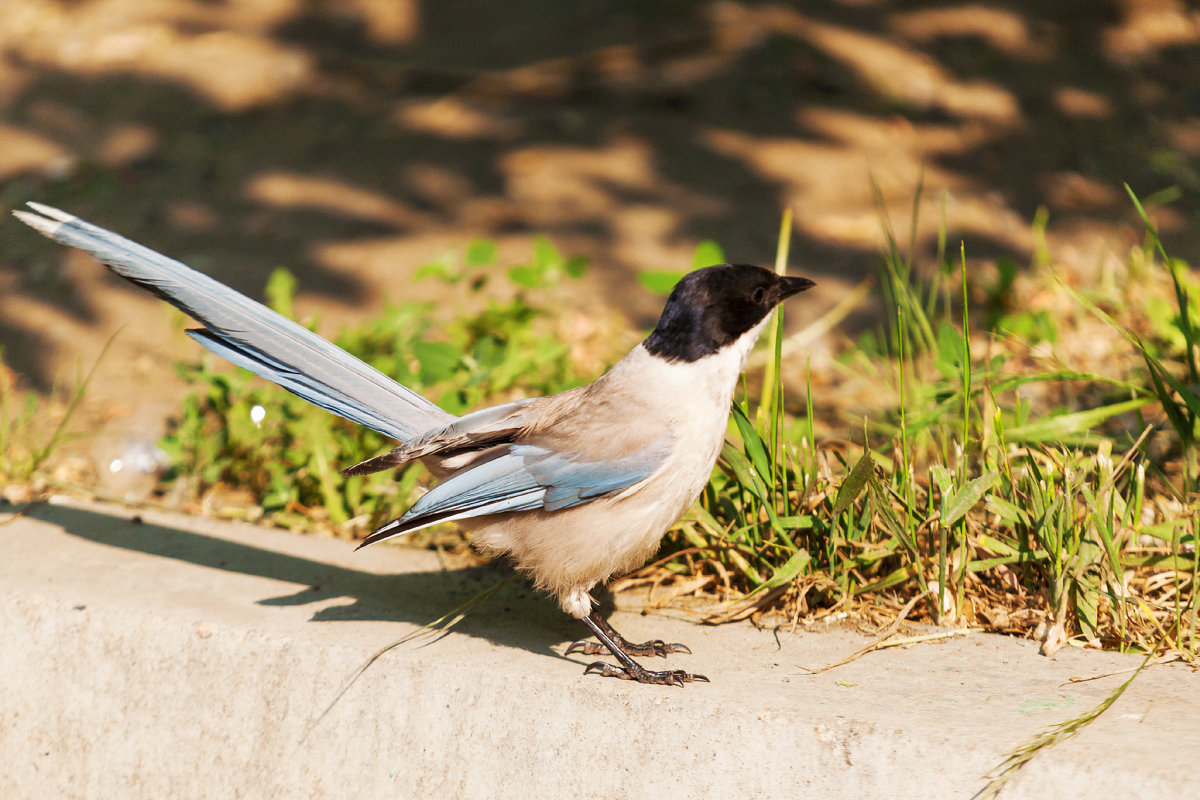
(790, 286)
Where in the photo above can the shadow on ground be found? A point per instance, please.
(351, 141)
(515, 616)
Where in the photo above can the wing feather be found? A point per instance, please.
(526, 477)
(478, 430)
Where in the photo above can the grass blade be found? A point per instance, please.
(853, 484)
(965, 498)
(1064, 426)
(1048, 738)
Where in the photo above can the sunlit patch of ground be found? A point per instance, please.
(351, 141)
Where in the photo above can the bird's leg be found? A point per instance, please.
(654, 647)
(629, 670)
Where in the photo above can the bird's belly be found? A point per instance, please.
(569, 551)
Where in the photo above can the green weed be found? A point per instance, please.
(1017, 516)
(25, 447)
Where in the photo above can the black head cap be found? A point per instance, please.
(712, 307)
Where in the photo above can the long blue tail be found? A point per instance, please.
(251, 335)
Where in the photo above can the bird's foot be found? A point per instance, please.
(654, 647)
(630, 670)
(670, 677)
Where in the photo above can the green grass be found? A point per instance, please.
(33, 429)
(998, 511)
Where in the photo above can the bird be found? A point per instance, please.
(574, 487)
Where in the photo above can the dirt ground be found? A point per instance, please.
(352, 140)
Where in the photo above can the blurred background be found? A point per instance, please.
(352, 141)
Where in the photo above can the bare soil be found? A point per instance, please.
(352, 140)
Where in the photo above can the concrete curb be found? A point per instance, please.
(181, 657)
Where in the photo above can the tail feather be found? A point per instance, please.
(251, 335)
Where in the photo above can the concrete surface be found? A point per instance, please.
(180, 657)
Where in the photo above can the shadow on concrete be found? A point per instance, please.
(515, 616)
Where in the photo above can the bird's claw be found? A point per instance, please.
(670, 677)
(655, 647)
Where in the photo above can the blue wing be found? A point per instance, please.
(525, 477)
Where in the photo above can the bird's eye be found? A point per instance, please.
(758, 295)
